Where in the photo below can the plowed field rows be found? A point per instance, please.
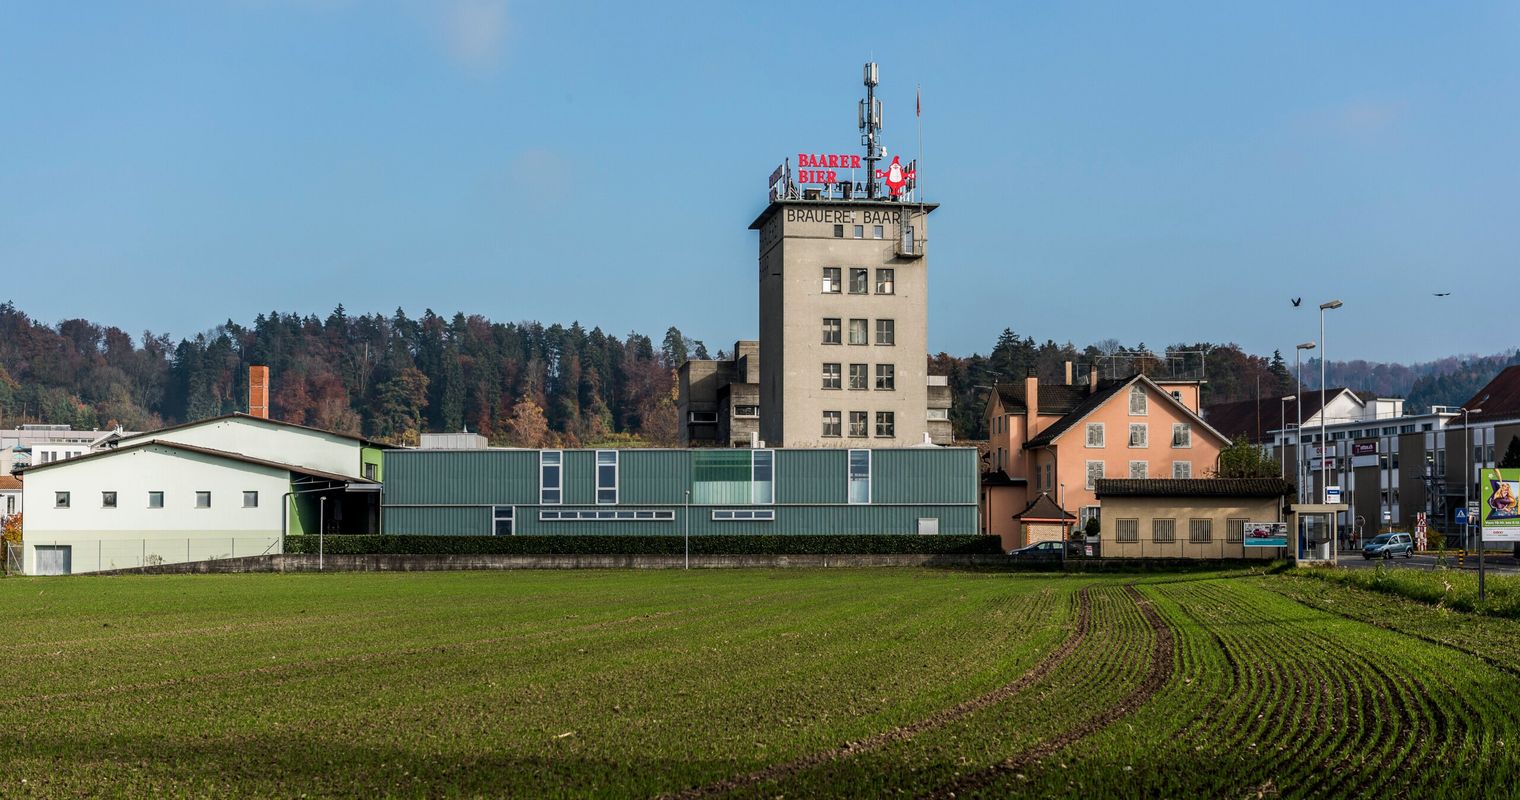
(794, 683)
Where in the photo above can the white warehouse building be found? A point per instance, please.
(220, 488)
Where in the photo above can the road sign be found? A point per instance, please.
(1332, 494)
(1387, 517)
(1462, 517)
(1472, 509)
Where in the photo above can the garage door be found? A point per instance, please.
(54, 559)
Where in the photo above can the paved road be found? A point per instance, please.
(1497, 565)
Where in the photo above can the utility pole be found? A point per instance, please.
(321, 532)
(686, 522)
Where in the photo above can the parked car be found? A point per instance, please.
(1041, 551)
(1388, 545)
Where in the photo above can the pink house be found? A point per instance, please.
(1057, 439)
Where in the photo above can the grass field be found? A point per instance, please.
(789, 683)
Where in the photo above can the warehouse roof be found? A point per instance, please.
(1192, 487)
(1251, 419)
(296, 468)
(251, 418)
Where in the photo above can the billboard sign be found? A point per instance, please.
(824, 167)
(1322, 458)
(1501, 505)
(1364, 448)
(1266, 534)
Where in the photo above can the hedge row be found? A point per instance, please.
(643, 545)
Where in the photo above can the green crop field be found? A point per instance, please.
(795, 683)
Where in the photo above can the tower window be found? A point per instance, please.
(831, 330)
(858, 332)
(831, 280)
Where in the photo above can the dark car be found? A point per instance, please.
(1039, 551)
(1388, 545)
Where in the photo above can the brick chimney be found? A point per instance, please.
(1092, 377)
(258, 391)
(1068, 373)
(1031, 405)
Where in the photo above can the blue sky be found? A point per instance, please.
(1147, 172)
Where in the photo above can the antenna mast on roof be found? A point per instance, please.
(870, 123)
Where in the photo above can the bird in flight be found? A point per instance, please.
(1296, 301)
(1440, 294)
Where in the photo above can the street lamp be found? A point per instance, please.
(1282, 425)
(1298, 406)
(321, 530)
(1467, 493)
(1324, 484)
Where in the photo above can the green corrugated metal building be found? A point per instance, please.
(646, 491)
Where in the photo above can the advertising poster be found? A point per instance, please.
(1501, 505)
(1266, 534)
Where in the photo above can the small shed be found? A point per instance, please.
(1043, 520)
(1189, 517)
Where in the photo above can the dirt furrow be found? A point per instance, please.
(906, 732)
(1163, 654)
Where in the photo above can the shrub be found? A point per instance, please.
(644, 545)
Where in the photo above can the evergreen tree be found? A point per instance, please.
(673, 352)
(1245, 460)
(1511, 454)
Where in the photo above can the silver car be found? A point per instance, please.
(1388, 545)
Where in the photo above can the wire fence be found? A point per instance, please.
(78, 555)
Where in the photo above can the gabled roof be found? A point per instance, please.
(1054, 398)
(1499, 399)
(1105, 393)
(1251, 419)
(1044, 509)
(295, 468)
(1192, 487)
(9, 483)
(1089, 404)
(251, 418)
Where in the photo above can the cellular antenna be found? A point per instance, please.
(870, 124)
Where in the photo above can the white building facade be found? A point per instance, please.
(226, 487)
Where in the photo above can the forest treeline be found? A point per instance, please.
(525, 384)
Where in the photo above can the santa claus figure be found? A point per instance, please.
(896, 177)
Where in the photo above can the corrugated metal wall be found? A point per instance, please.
(924, 476)
(451, 492)
(811, 476)
(447, 477)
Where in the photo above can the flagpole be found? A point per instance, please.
(918, 186)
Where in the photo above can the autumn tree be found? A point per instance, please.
(527, 426)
